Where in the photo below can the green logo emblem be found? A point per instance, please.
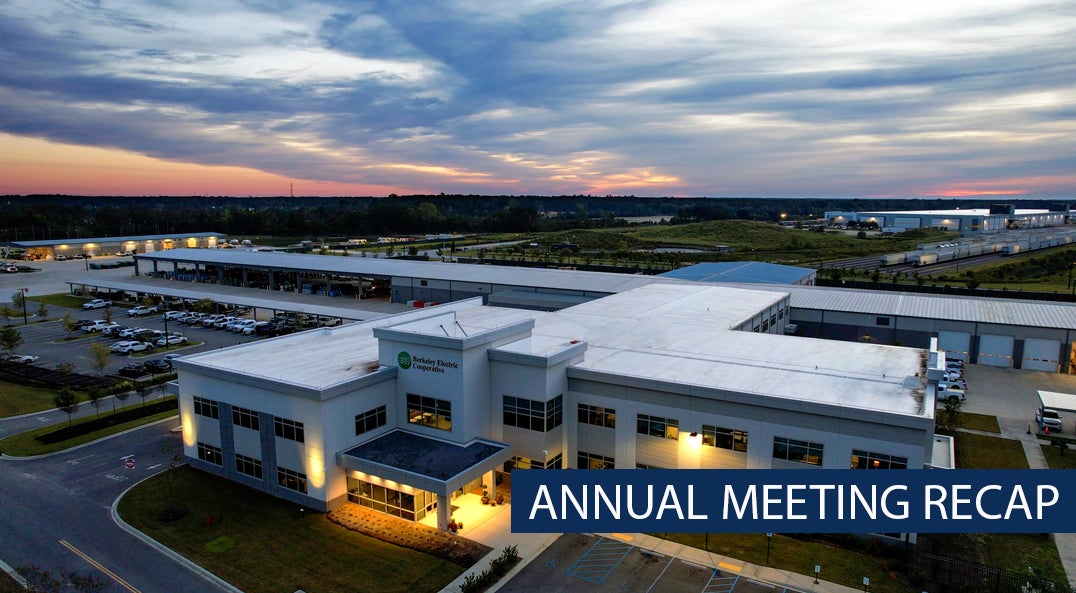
(404, 360)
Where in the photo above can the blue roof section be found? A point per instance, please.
(753, 272)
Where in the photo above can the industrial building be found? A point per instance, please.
(131, 244)
(405, 414)
(976, 221)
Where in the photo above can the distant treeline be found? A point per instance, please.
(57, 217)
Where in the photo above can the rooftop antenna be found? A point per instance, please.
(461, 328)
(292, 185)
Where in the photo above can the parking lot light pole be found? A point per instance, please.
(24, 292)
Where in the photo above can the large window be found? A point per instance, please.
(871, 460)
(533, 415)
(245, 418)
(597, 416)
(248, 466)
(206, 407)
(527, 463)
(655, 426)
(291, 479)
(798, 451)
(289, 429)
(410, 506)
(724, 438)
(370, 420)
(210, 454)
(428, 411)
(594, 461)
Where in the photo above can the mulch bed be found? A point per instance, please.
(442, 544)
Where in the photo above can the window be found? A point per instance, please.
(533, 415)
(428, 411)
(289, 429)
(368, 421)
(291, 479)
(724, 438)
(526, 463)
(206, 407)
(882, 320)
(597, 416)
(657, 427)
(210, 454)
(592, 461)
(248, 466)
(245, 418)
(645, 466)
(871, 460)
(798, 451)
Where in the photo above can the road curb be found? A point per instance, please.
(6, 457)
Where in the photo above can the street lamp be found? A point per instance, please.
(24, 291)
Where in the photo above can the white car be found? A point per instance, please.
(130, 332)
(171, 340)
(97, 304)
(1047, 418)
(141, 310)
(130, 346)
(174, 315)
(954, 384)
(20, 358)
(945, 393)
(240, 325)
(952, 375)
(95, 326)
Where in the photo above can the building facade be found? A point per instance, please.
(404, 413)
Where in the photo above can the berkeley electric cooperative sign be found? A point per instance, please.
(424, 363)
(794, 501)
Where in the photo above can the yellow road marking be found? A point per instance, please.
(623, 537)
(98, 566)
(726, 566)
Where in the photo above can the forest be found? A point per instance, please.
(55, 216)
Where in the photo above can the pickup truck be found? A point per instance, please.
(945, 392)
(97, 304)
(1047, 418)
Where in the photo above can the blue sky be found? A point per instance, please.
(681, 98)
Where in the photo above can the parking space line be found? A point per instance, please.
(720, 583)
(654, 584)
(599, 561)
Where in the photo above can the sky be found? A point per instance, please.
(765, 98)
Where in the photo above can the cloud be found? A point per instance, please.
(655, 97)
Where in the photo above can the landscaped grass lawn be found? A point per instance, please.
(975, 451)
(60, 299)
(259, 543)
(838, 566)
(16, 399)
(1058, 460)
(983, 422)
(25, 443)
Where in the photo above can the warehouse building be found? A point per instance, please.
(128, 245)
(974, 221)
(408, 413)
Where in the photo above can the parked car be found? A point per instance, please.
(241, 324)
(955, 384)
(209, 320)
(261, 327)
(134, 370)
(95, 326)
(157, 366)
(97, 304)
(19, 358)
(141, 310)
(130, 346)
(129, 332)
(952, 375)
(171, 357)
(109, 327)
(147, 335)
(10, 269)
(225, 321)
(173, 340)
(174, 315)
(1047, 418)
(113, 331)
(945, 393)
(60, 257)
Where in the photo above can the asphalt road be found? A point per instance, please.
(57, 514)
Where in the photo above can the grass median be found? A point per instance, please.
(26, 444)
(16, 400)
(262, 544)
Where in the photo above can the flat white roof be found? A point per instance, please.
(667, 333)
(959, 212)
(1054, 400)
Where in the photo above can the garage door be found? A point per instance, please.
(995, 351)
(1041, 355)
(955, 344)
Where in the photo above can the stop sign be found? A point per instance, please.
(129, 463)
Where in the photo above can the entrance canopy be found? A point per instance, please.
(425, 463)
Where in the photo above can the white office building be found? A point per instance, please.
(403, 413)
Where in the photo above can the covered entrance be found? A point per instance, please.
(411, 476)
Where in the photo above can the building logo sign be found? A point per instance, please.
(424, 363)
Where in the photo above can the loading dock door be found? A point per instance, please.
(995, 351)
(1041, 355)
(955, 344)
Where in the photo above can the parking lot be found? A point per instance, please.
(587, 563)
